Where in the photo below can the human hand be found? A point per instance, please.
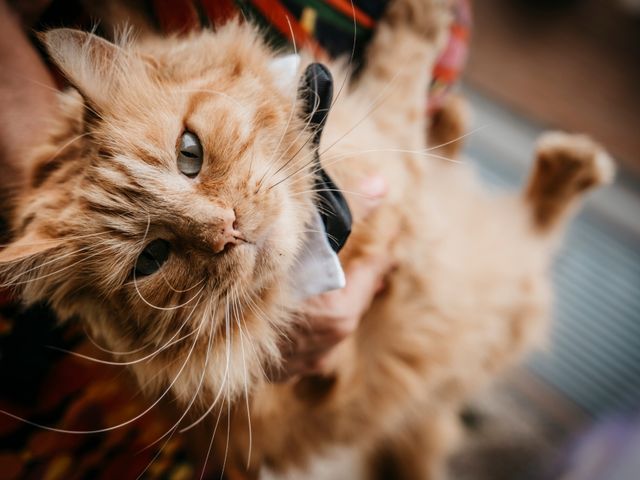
(331, 317)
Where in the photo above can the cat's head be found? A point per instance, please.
(170, 204)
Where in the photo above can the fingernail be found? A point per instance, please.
(374, 186)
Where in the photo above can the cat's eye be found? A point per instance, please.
(152, 257)
(189, 155)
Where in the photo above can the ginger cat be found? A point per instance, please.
(170, 204)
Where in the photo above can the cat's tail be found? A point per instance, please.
(566, 167)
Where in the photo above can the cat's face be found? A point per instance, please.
(172, 220)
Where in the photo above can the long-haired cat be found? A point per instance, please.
(170, 204)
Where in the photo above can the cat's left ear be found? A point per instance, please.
(87, 61)
(285, 71)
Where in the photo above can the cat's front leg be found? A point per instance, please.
(399, 62)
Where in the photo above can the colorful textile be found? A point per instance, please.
(58, 390)
(326, 27)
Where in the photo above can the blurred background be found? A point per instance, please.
(571, 410)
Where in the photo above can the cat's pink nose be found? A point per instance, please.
(226, 234)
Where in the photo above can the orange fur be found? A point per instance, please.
(470, 293)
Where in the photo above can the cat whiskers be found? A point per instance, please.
(12, 282)
(172, 341)
(323, 232)
(59, 258)
(318, 190)
(375, 103)
(169, 433)
(422, 152)
(135, 281)
(68, 144)
(56, 242)
(119, 425)
(255, 309)
(235, 311)
(164, 309)
(213, 436)
(291, 114)
(348, 155)
(244, 370)
(302, 132)
(316, 103)
(314, 110)
(167, 345)
(173, 289)
(206, 414)
(106, 350)
(225, 375)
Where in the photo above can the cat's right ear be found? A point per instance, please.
(285, 72)
(87, 61)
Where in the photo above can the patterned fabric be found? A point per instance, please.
(452, 61)
(62, 391)
(52, 388)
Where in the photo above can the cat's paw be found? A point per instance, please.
(428, 18)
(574, 161)
(566, 167)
